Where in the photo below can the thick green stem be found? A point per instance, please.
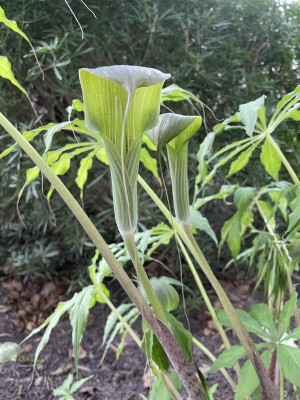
(207, 300)
(246, 341)
(185, 370)
(283, 159)
(128, 238)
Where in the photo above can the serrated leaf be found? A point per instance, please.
(289, 362)
(9, 351)
(78, 318)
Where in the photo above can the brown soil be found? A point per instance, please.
(21, 310)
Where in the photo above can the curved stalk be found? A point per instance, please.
(283, 159)
(242, 334)
(207, 300)
(129, 241)
(169, 385)
(185, 370)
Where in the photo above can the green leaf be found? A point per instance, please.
(167, 295)
(82, 173)
(149, 162)
(268, 211)
(248, 381)
(264, 317)
(241, 161)
(64, 389)
(184, 337)
(228, 358)
(270, 159)
(78, 318)
(248, 113)
(12, 25)
(6, 72)
(286, 313)
(201, 223)
(112, 320)
(204, 149)
(176, 93)
(231, 232)
(294, 217)
(9, 351)
(243, 197)
(51, 323)
(77, 385)
(295, 334)
(250, 323)
(154, 350)
(159, 390)
(289, 362)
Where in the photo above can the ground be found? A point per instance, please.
(22, 309)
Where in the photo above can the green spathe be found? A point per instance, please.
(121, 102)
(175, 131)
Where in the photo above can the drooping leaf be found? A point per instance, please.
(268, 212)
(78, 318)
(12, 25)
(289, 361)
(6, 72)
(270, 159)
(82, 173)
(286, 313)
(201, 223)
(149, 162)
(248, 114)
(176, 93)
(204, 150)
(241, 161)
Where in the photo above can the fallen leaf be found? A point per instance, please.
(64, 368)
(35, 300)
(4, 334)
(90, 389)
(27, 348)
(148, 379)
(4, 309)
(83, 368)
(82, 353)
(38, 381)
(207, 332)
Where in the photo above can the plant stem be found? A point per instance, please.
(207, 300)
(281, 385)
(185, 370)
(129, 241)
(283, 159)
(213, 359)
(289, 279)
(169, 385)
(244, 338)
